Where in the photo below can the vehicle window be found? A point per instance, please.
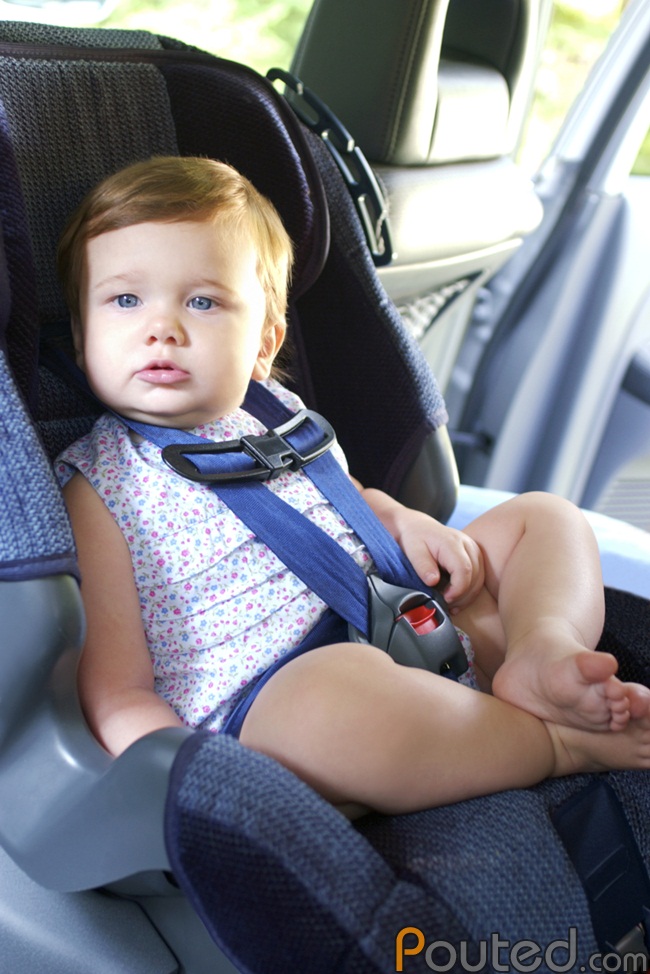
(264, 33)
(578, 33)
(641, 165)
(259, 33)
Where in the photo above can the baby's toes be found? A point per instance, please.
(614, 691)
(596, 667)
(619, 714)
(638, 698)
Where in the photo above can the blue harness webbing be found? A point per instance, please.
(302, 546)
(332, 574)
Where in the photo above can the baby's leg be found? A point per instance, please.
(543, 606)
(366, 732)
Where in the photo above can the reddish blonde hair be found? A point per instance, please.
(169, 189)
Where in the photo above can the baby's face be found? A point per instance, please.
(173, 321)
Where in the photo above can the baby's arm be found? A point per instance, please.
(116, 682)
(431, 547)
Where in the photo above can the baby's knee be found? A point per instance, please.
(540, 506)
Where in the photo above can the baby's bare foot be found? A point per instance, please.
(578, 750)
(556, 678)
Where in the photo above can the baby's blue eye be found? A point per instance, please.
(201, 303)
(126, 300)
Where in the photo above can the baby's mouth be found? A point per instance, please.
(162, 372)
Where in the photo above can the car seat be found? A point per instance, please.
(280, 880)
(71, 115)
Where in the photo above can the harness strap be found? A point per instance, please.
(263, 457)
(326, 473)
(604, 852)
(331, 573)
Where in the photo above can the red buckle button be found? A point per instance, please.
(422, 618)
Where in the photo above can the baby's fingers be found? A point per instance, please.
(425, 564)
(466, 576)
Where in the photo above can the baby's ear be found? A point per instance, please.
(271, 344)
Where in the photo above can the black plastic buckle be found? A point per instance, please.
(413, 628)
(357, 173)
(272, 453)
(632, 948)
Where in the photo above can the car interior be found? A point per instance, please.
(436, 94)
(390, 149)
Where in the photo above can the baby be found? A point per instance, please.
(176, 272)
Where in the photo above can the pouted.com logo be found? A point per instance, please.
(522, 956)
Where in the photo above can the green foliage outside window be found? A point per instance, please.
(642, 164)
(577, 36)
(264, 33)
(260, 33)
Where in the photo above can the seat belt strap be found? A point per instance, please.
(333, 575)
(413, 628)
(392, 609)
(606, 857)
(327, 474)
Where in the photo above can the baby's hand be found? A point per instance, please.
(433, 548)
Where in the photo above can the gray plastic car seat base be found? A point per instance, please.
(47, 749)
(74, 933)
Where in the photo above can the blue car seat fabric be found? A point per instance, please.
(303, 889)
(35, 536)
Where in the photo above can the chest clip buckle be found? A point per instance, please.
(271, 452)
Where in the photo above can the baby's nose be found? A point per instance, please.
(166, 328)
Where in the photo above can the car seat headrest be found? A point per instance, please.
(66, 125)
(80, 108)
